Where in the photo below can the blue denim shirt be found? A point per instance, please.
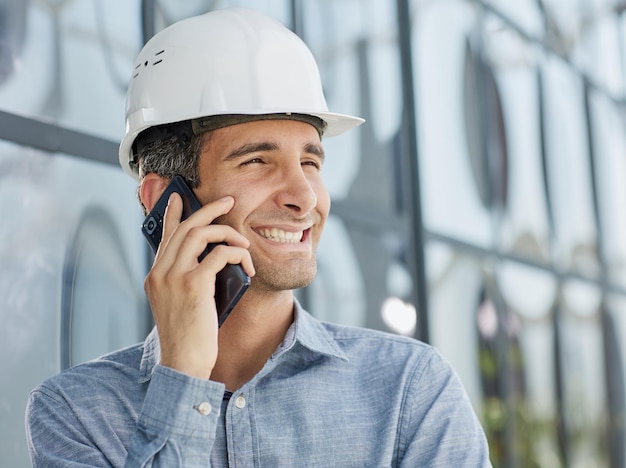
(330, 396)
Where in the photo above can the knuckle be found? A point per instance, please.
(150, 283)
(220, 249)
(196, 233)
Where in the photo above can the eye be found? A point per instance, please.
(252, 161)
(312, 163)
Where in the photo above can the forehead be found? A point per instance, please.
(285, 134)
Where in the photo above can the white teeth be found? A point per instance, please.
(278, 235)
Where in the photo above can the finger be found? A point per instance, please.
(222, 255)
(175, 231)
(197, 239)
(210, 211)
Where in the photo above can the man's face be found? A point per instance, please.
(272, 169)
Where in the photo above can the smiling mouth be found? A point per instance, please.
(278, 235)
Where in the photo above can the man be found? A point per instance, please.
(232, 101)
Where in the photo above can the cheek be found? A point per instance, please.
(239, 212)
(214, 188)
(323, 199)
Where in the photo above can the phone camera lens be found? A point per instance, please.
(151, 225)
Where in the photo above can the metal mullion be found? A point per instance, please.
(53, 138)
(411, 181)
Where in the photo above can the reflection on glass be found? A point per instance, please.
(399, 316)
(568, 169)
(455, 282)
(101, 310)
(536, 409)
(614, 332)
(609, 149)
(485, 131)
(451, 202)
(595, 46)
(523, 227)
(527, 15)
(46, 196)
(74, 48)
(337, 293)
(582, 358)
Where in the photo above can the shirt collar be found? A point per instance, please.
(313, 335)
(306, 330)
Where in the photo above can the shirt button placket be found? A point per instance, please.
(241, 433)
(240, 402)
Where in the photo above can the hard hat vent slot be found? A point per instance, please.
(136, 74)
(145, 64)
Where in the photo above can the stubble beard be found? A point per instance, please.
(278, 277)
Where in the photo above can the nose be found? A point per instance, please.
(297, 192)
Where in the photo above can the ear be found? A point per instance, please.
(151, 188)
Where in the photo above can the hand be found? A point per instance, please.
(181, 291)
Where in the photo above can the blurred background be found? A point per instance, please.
(481, 208)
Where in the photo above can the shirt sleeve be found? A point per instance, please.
(55, 435)
(175, 426)
(177, 423)
(439, 424)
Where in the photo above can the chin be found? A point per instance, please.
(275, 279)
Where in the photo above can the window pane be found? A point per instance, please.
(582, 357)
(535, 398)
(451, 198)
(523, 226)
(609, 143)
(568, 168)
(73, 64)
(455, 285)
(45, 238)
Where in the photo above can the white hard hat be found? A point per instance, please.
(231, 61)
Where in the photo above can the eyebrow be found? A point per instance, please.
(248, 148)
(316, 149)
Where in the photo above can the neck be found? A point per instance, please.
(249, 336)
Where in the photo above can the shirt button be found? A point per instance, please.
(204, 408)
(240, 402)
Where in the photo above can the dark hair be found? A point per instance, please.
(174, 155)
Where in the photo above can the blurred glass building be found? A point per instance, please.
(481, 208)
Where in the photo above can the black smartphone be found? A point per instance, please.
(232, 282)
